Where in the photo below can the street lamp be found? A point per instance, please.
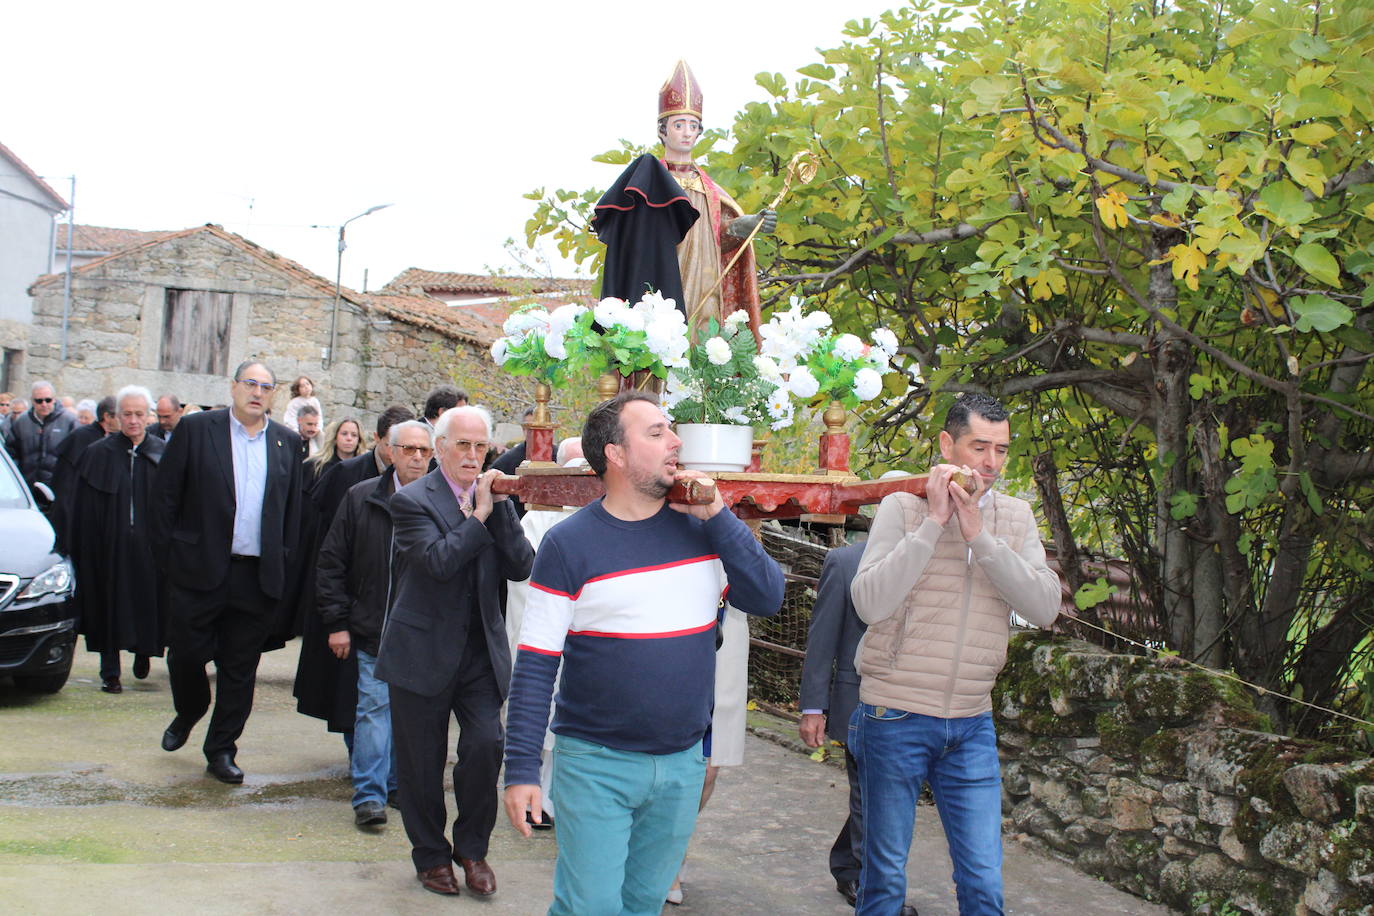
(338, 282)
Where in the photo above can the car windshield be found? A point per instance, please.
(12, 495)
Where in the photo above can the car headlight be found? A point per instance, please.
(56, 580)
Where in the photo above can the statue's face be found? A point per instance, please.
(680, 134)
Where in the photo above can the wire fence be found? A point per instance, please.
(777, 644)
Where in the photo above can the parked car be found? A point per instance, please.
(37, 622)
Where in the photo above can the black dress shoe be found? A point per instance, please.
(369, 814)
(909, 910)
(141, 666)
(175, 735)
(393, 800)
(221, 766)
(111, 685)
(849, 890)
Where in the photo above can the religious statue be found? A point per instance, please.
(668, 227)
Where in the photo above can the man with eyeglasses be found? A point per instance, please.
(444, 650)
(352, 585)
(33, 436)
(228, 515)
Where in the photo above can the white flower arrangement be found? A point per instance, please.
(725, 378)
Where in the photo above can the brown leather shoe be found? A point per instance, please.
(439, 880)
(478, 876)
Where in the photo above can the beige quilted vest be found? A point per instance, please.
(939, 654)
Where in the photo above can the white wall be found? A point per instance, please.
(25, 234)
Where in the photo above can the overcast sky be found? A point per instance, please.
(270, 117)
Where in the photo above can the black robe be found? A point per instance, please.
(120, 595)
(641, 220)
(64, 478)
(325, 687)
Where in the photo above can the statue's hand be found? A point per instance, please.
(741, 226)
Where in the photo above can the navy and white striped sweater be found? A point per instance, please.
(631, 609)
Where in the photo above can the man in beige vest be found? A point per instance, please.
(937, 584)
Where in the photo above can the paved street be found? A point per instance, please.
(96, 818)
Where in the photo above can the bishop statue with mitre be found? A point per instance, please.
(668, 227)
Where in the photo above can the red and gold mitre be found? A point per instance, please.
(680, 93)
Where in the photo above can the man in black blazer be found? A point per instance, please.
(829, 693)
(227, 515)
(444, 648)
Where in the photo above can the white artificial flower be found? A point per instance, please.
(525, 321)
(867, 384)
(718, 351)
(668, 341)
(780, 408)
(498, 351)
(631, 320)
(802, 383)
(736, 318)
(735, 415)
(818, 321)
(564, 317)
(555, 346)
(674, 392)
(608, 311)
(848, 346)
(768, 370)
(886, 341)
(655, 303)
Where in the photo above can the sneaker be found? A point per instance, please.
(369, 814)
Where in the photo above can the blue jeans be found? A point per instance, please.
(624, 821)
(896, 751)
(374, 757)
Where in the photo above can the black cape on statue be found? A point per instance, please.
(641, 220)
(121, 597)
(327, 687)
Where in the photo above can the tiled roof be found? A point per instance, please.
(106, 239)
(441, 281)
(428, 312)
(271, 258)
(32, 176)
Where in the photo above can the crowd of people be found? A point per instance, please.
(420, 594)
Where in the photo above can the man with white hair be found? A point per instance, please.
(120, 599)
(33, 436)
(444, 649)
(352, 585)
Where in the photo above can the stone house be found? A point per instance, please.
(28, 213)
(178, 311)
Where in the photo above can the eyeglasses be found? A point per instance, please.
(467, 445)
(424, 451)
(264, 387)
(42, 400)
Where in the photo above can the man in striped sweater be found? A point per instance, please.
(628, 593)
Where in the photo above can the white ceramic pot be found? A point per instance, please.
(715, 446)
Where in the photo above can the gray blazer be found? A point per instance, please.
(828, 679)
(432, 606)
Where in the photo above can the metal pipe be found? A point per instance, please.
(338, 284)
(67, 280)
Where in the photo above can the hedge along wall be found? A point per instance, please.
(1163, 781)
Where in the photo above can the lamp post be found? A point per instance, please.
(338, 282)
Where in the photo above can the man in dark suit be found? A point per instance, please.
(228, 516)
(444, 649)
(829, 693)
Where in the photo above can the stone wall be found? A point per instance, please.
(1162, 781)
(281, 316)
